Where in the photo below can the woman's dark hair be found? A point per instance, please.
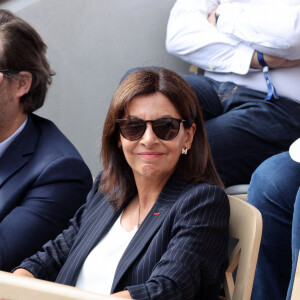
(197, 166)
(22, 49)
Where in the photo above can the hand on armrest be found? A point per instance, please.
(23, 272)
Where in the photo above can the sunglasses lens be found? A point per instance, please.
(132, 129)
(166, 128)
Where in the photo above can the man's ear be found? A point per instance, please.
(23, 83)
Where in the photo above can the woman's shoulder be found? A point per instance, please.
(205, 189)
(205, 195)
(202, 202)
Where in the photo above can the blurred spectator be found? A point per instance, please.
(249, 50)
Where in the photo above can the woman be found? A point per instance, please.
(155, 225)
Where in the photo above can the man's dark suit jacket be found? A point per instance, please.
(178, 252)
(43, 181)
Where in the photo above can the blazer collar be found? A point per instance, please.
(150, 226)
(19, 151)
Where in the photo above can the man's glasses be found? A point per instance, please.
(164, 128)
(8, 72)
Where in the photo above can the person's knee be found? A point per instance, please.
(265, 183)
(271, 184)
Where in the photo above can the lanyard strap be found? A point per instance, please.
(271, 89)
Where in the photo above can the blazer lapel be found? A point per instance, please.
(100, 218)
(19, 152)
(149, 227)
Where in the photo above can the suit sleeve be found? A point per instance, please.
(48, 205)
(196, 255)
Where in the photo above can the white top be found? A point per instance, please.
(295, 151)
(4, 145)
(225, 51)
(99, 268)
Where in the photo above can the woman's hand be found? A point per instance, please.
(123, 294)
(23, 272)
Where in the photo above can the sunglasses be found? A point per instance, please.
(164, 128)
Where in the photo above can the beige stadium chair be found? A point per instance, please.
(14, 287)
(239, 191)
(246, 226)
(296, 286)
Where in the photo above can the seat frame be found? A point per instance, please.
(15, 287)
(246, 226)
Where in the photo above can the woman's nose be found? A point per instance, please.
(149, 137)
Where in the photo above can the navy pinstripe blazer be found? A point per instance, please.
(179, 251)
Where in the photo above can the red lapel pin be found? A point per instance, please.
(156, 214)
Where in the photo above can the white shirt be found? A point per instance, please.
(98, 271)
(4, 145)
(225, 51)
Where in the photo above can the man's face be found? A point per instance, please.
(11, 110)
(7, 103)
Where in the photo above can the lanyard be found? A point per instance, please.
(271, 89)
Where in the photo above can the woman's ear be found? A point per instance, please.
(23, 83)
(190, 136)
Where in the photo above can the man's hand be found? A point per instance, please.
(212, 17)
(279, 62)
(274, 62)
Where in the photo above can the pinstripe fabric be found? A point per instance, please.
(179, 251)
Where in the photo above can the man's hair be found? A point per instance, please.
(197, 166)
(22, 49)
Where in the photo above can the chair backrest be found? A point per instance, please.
(24, 288)
(239, 191)
(245, 226)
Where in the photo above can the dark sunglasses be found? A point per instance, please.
(164, 128)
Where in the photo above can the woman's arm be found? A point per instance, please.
(196, 255)
(47, 263)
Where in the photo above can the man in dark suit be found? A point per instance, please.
(43, 179)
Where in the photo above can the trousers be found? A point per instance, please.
(243, 129)
(274, 190)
